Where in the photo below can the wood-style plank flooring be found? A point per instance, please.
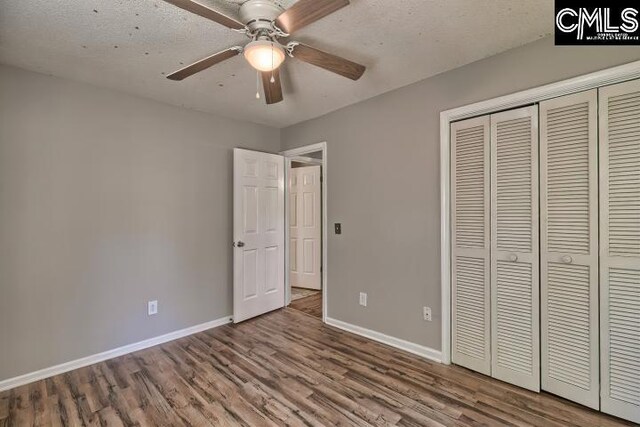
(312, 305)
(283, 368)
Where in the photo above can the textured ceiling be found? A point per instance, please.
(129, 45)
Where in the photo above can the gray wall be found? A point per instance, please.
(107, 201)
(383, 182)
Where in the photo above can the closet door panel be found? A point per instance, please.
(515, 327)
(470, 243)
(620, 249)
(569, 247)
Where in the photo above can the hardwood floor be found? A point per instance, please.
(297, 293)
(283, 368)
(312, 305)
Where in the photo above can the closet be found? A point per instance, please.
(546, 247)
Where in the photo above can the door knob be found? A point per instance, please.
(513, 257)
(240, 244)
(567, 259)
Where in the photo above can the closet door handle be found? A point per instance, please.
(567, 259)
(513, 257)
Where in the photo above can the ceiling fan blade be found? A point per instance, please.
(329, 62)
(272, 91)
(199, 9)
(304, 12)
(205, 63)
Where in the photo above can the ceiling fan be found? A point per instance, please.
(265, 22)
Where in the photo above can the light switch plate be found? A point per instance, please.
(152, 307)
(426, 313)
(363, 299)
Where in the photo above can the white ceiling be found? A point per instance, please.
(129, 45)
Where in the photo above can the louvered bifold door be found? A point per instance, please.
(515, 327)
(569, 247)
(470, 243)
(620, 249)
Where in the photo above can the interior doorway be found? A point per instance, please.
(305, 227)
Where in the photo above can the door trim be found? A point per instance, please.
(290, 155)
(309, 160)
(584, 82)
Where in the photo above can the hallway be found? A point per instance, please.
(307, 301)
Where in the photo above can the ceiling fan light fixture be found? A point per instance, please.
(264, 55)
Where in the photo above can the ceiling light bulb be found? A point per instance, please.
(264, 55)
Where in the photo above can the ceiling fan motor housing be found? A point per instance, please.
(258, 14)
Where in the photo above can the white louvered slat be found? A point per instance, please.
(515, 329)
(514, 317)
(620, 249)
(568, 323)
(514, 184)
(569, 247)
(470, 244)
(470, 296)
(624, 335)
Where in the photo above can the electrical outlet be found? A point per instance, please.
(152, 307)
(426, 313)
(363, 299)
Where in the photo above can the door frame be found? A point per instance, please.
(289, 156)
(308, 160)
(619, 74)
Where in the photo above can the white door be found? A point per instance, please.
(305, 246)
(258, 232)
(620, 249)
(569, 247)
(470, 308)
(515, 286)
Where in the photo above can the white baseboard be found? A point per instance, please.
(420, 350)
(109, 354)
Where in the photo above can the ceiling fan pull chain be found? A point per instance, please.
(272, 80)
(257, 85)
